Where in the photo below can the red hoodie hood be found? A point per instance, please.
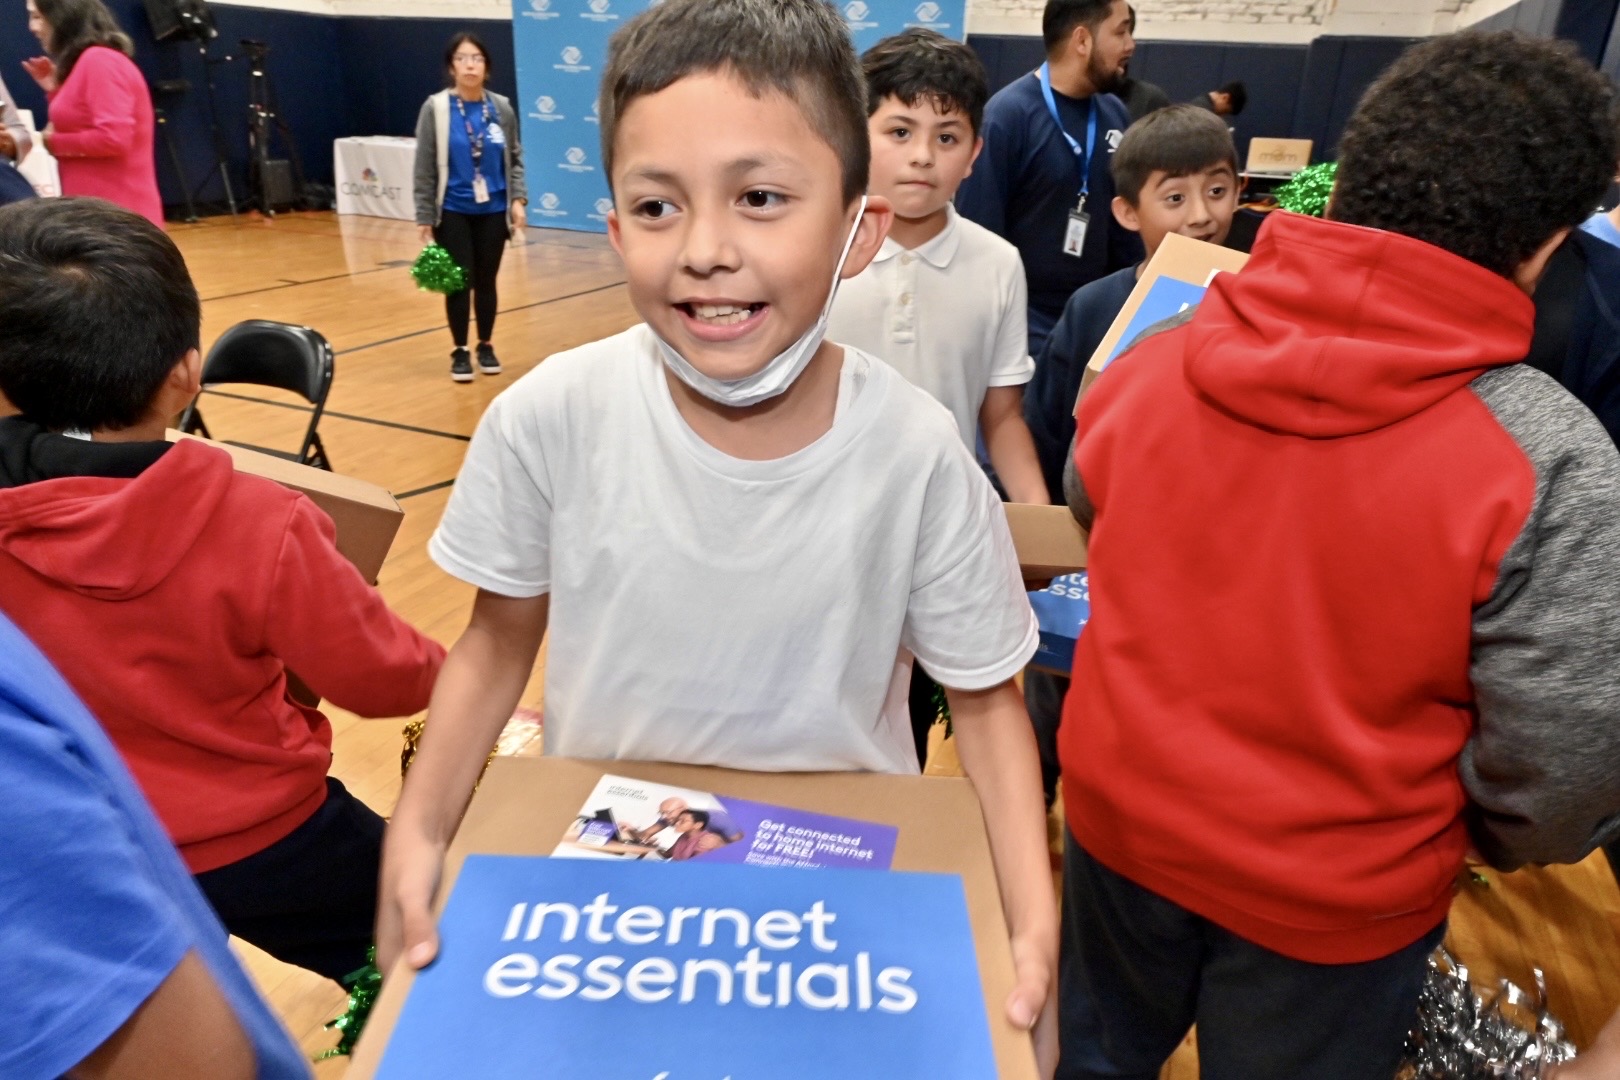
(115, 539)
(1286, 344)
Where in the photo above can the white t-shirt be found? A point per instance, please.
(711, 610)
(949, 315)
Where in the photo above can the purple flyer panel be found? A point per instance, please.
(778, 836)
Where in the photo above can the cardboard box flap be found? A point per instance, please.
(1048, 540)
(367, 517)
(1173, 281)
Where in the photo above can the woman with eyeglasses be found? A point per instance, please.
(470, 194)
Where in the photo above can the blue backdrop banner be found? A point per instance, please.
(561, 46)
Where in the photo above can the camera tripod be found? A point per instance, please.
(272, 181)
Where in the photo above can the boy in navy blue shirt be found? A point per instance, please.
(1176, 171)
(1043, 182)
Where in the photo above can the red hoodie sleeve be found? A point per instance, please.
(334, 630)
(110, 98)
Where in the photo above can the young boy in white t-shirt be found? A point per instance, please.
(944, 299)
(738, 533)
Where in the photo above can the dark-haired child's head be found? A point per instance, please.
(1096, 34)
(691, 821)
(1229, 100)
(100, 320)
(925, 97)
(734, 139)
(1176, 172)
(1489, 145)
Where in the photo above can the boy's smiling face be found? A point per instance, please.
(1200, 205)
(920, 154)
(730, 218)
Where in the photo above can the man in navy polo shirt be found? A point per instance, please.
(1043, 181)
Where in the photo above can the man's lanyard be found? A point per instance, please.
(476, 142)
(1084, 156)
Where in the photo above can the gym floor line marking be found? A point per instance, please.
(440, 486)
(503, 311)
(295, 284)
(343, 416)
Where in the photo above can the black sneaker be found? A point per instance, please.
(487, 363)
(461, 366)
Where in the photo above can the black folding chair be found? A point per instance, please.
(265, 353)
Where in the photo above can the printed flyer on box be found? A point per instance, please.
(595, 970)
(636, 819)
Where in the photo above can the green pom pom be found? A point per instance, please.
(435, 271)
(1308, 192)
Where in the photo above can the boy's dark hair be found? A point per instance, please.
(76, 25)
(1062, 17)
(98, 309)
(919, 64)
(798, 48)
(701, 817)
(1237, 94)
(465, 38)
(1179, 140)
(1484, 144)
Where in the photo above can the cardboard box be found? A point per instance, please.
(366, 516)
(1277, 157)
(1174, 280)
(1048, 540)
(524, 804)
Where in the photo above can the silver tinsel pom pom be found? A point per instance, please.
(1462, 1036)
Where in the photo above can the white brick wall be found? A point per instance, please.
(1286, 21)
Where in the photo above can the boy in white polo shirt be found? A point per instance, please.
(944, 300)
(738, 533)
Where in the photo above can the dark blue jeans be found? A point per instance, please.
(310, 898)
(1137, 971)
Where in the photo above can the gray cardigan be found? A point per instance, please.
(433, 154)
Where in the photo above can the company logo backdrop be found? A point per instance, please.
(561, 46)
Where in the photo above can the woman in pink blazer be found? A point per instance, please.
(101, 125)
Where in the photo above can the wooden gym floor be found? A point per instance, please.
(395, 418)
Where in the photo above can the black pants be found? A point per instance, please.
(1137, 971)
(476, 242)
(309, 899)
(1043, 697)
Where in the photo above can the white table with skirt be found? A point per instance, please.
(375, 176)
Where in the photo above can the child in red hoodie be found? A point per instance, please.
(175, 593)
(1355, 585)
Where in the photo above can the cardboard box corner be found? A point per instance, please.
(367, 517)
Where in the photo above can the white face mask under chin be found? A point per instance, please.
(784, 367)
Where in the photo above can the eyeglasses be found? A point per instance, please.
(469, 58)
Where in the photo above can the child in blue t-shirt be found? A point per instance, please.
(114, 961)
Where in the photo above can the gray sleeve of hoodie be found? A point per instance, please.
(1542, 769)
(427, 167)
(517, 186)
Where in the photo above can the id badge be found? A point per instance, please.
(1074, 237)
(481, 189)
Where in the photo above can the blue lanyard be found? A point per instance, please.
(1084, 156)
(475, 143)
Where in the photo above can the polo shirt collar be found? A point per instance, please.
(937, 252)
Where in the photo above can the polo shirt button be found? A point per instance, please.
(905, 298)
